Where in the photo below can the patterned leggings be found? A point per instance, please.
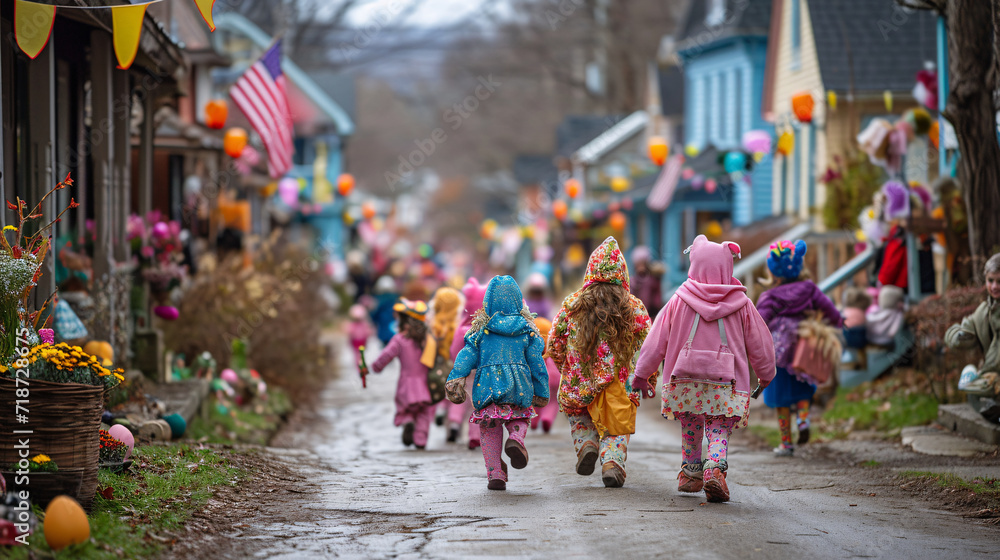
(492, 444)
(695, 427)
(785, 421)
(613, 449)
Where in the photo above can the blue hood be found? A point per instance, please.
(503, 303)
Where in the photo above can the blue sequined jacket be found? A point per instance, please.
(505, 349)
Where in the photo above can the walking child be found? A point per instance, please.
(593, 342)
(504, 347)
(414, 410)
(442, 324)
(782, 308)
(707, 337)
(459, 414)
(547, 415)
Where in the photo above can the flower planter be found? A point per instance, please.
(64, 419)
(116, 466)
(43, 486)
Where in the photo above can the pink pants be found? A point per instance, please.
(421, 417)
(547, 414)
(492, 439)
(458, 414)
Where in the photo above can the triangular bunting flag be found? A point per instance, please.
(127, 28)
(205, 7)
(32, 26)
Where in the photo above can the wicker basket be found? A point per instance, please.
(64, 419)
(43, 486)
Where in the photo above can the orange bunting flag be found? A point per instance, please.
(205, 7)
(32, 26)
(127, 30)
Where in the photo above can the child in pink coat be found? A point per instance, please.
(458, 414)
(547, 414)
(414, 410)
(359, 329)
(707, 337)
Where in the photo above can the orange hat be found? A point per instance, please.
(415, 309)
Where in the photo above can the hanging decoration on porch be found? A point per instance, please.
(735, 162)
(831, 100)
(757, 141)
(33, 25)
(926, 90)
(711, 185)
(617, 221)
(234, 141)
(560, 209)
(658, 149)
(786, 143)
(216, 113)
(620, 184)
(572, 187)
(887, 97)
(345, 184)
(802, 105)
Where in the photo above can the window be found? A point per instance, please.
(796, 29)
(716, 13)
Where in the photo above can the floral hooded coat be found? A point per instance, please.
(577, 390)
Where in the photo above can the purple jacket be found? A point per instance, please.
(783, 306)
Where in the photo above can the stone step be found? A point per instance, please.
(963, 419)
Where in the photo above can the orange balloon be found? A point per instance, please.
(559, 209)
(216, 112)
(617, 221)
(345, 184)
(658, 150)
(802, 104)
(234, 142)
(368, 210)
(572, 188)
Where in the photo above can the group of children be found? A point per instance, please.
(601, 353)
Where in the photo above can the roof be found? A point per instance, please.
(892, 54)
(743, 18)
(611, 138)
(535, 169)
(671, 86)
(577, 130)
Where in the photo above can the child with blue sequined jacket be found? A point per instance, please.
(505, 348)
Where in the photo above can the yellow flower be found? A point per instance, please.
(3, 369)
(9, 228)
(41, 459)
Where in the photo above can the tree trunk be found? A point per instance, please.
(970, 110)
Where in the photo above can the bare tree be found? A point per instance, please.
(974, 69)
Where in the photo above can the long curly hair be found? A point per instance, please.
(413, 329)
(604, 313)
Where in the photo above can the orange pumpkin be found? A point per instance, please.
(559, 209)
(617, 221)
(572, 188)
(216, 113)
(102, 350)
(234, 142)
(802, 105)
(658, 149)
(345, 184)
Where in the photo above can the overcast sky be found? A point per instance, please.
(430, 13)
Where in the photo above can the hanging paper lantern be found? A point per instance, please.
(831, 100)
(617, 221)
(802, 105)
(345, 184)
(620, 184)
(572, 187)
(288, 190)
(786, 143)
(234, 142)
(368, 210)
(757, 141)
(691, 150)
(658, 149)
(935, 134)
(216, 113)
(887, 98)
(735, 162)
(559, 209)
(711, 185)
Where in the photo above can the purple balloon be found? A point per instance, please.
(166, 312)
(288, 190)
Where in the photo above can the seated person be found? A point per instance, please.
(856, 302)
(977, 331)
(882, 324)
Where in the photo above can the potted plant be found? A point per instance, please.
(112, 453)
(43, 479)
(158, 248)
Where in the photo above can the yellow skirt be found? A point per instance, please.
(613, 412)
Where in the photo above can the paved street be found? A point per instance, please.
(372, 498)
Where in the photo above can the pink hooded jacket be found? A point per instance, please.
(712, 292)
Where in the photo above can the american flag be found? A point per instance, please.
(663, 191)
(260, 94)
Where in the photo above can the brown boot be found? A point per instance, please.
(690, 481)
(613, 475)
(586, 459)
(715, 485)
(517, 453)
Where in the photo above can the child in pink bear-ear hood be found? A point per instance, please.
(707, 337)
(458, 414)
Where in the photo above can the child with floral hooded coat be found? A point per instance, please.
(593, 342)
(504, 347)
(707, 369)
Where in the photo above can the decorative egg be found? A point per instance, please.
(166, 312)
(177, 425)
(229, 376)
(65, 523)
(122, 434)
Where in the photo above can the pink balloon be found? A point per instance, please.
(166, 312)
(161, 230)
(687, 173)
(288, 190)
(710, 186)
(122, 434)
(229, 376)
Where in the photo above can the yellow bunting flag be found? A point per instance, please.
(32, 26)
(127, 24)
(205, 7)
